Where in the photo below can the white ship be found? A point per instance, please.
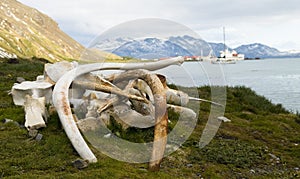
(227, 56)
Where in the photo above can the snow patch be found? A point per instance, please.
(4, 54)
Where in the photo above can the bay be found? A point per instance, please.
(276, 79)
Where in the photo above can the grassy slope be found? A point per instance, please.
(241, 148)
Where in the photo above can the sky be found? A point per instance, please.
(275, 23)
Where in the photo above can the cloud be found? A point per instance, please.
(83, 19)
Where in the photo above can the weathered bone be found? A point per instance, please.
(96, 83)
(184, 112)
(61, 103)
(177, 97)
(53, 72)
(161, 114)
(33, 95)
(130, 118)
(34, 88)
(141, 88)
(35, 111)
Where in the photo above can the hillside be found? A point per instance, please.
(25, 32)
(261, 141)
(258, 50)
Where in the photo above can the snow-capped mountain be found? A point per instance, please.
(258, 50)
(151, 48)
(195, 46)
(155, 47)
(184, 46)
(109, 45)
(217, 47)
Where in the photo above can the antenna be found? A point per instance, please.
(224, 39)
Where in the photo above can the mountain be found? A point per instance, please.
(151, 48)
(26, 32)
(258, 50)
(109, 45)
(217, 47)
(195, 46)
(155, 47)
(185, 46)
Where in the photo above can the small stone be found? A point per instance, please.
(39, 137)
(80, 164)
(10, 120)
(273, 156)
(20, 79)
(296, 168)
(189, 165)
(224, 119)
(33, 133)
(107, 135)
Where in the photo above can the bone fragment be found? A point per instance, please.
(33, 88)
(35, 111)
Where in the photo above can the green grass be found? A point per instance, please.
(240, 149)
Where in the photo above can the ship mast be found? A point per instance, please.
(224, 39)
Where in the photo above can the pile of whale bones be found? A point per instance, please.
(134, 97)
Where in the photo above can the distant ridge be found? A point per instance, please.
(257, 50)
(185, 46)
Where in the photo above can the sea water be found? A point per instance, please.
(276, 79)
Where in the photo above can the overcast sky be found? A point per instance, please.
(272, 22)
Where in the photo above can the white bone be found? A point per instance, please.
(34, 112)
(61, 101)
(127, 117)
(53, 72)
(185, 113)
(34, 88)
(177, 97)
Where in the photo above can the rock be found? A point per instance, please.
(224, 119)
(20, 79)
(80, 164)
(10, 121)
(107, 135)
(252, 171)
(189, 165)
(33, 133)
(39, 137)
